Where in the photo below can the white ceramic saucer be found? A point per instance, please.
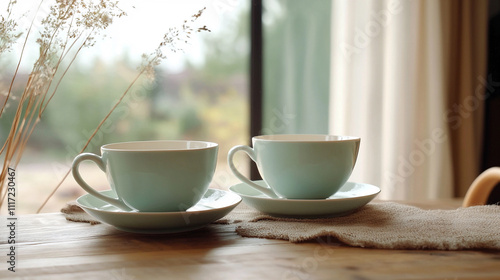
(214, 205)
(349, 198)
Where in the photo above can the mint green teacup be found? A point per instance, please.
(153, 176)
(300, 166)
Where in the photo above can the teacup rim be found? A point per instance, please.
(306, 138)
(112, 146)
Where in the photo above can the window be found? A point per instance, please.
(199, 93)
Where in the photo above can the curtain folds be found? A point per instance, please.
(296, 66)
(408, 78)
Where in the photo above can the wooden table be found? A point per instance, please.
(49, 247)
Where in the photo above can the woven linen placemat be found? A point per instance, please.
(384, 225)
(73, 212)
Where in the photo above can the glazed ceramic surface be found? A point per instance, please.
(300, 166)
(214, 205)
(153, 176)
(350, 197)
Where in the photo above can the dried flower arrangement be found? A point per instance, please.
(69, 26)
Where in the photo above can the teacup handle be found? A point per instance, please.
(78, 178)
(481, 188)
(251, 153)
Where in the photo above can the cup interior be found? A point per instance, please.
(305, 138)
(162, 145)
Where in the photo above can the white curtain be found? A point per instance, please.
(390, 85)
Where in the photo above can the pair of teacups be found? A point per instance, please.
(172, 176)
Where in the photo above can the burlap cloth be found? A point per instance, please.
(75, 213)
(384, 225)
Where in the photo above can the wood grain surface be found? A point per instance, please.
(49, 247)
